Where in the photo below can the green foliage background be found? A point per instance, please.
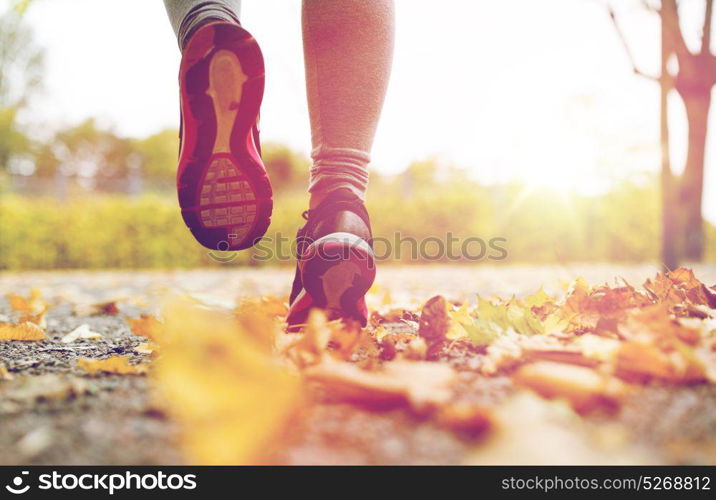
(115, 231)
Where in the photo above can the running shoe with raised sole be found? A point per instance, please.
(223, 187)
(336, 263)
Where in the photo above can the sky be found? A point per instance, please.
(540, 91)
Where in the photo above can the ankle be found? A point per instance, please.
(317, 197)
(192, 25)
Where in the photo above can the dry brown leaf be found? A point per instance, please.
(21, 331)
(99, 309)
(114, 364)
(420, 384)
(434, 325)
(583, 387)
(655, 324)
(679, 365)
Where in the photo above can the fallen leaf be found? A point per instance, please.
(679, 365)
(434, 324)
(420, 384)
(313, 341)
(31, 305)
(81, 332)
(146, 326)
(585, 388)
(98, 309)
(21, 331)
(114, 364)
(231, 398)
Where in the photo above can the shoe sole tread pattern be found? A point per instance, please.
(224, 190)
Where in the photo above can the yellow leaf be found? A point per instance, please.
(538, 299)
(230, 397)
(21, 331)
(32, 305)
(460, 317)
(115, 364)
(555, 323)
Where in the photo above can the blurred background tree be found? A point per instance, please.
(692, 77)
(21, 69)
(89, 196)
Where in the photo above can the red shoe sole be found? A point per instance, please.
(336, 271)
(223, 188)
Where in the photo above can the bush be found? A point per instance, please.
(109, 231)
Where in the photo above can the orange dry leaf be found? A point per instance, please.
(114, 364)
(38, 318)
(146, 326)
(33, 304)
(350, 338)
(583, 387)
(21, 331)
(655, 324)
(421, 384)
(679, 364)
(311, 346)
(680, 287)
(336, 338)
(261, 317)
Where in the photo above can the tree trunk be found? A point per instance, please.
(697, 105)
(669, 200)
